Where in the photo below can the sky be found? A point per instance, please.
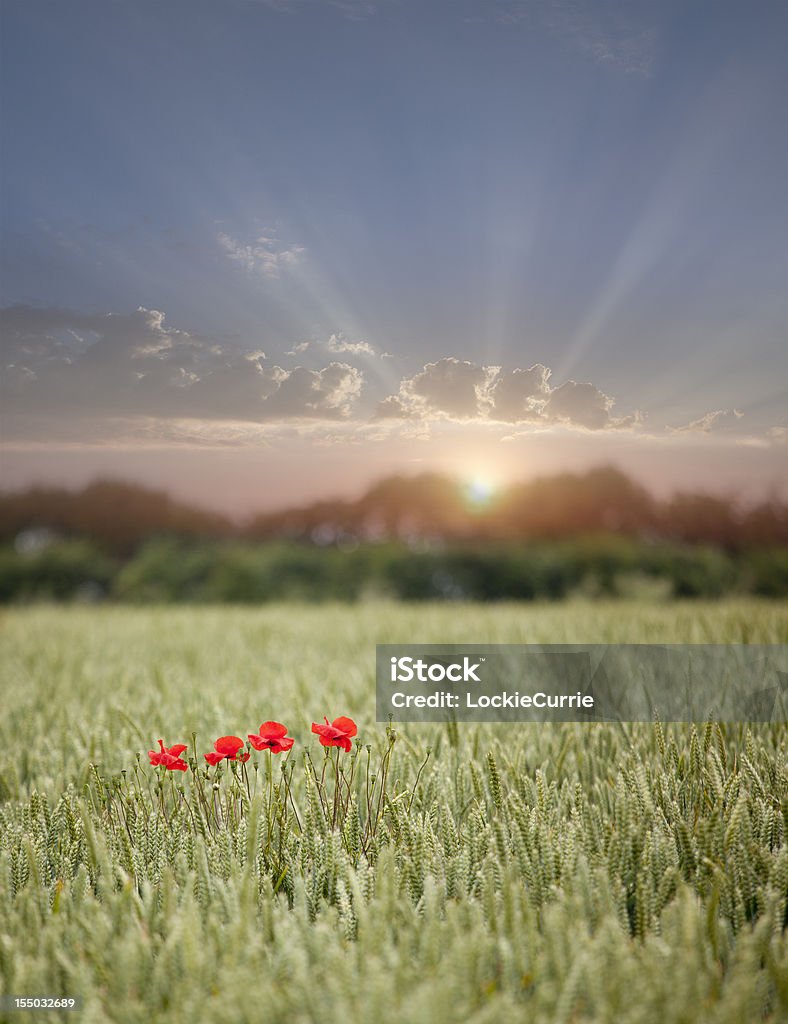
(266, 251)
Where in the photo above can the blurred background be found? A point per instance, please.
(424, 537)
(332, 299)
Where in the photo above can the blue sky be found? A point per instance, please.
(359, 219)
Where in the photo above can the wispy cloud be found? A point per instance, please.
(352, 9)
(339, 344)
(708, 422)
(614, 33)
(265, 254)
(619, 34)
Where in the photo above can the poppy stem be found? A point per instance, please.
(349, 786)
(161, 797)
(269, 770)
(337, 789)
(186, 803)
(289, 796)
(205, 814)
(418, 776)
(326, 756)
(310, 769)
(384, 771)
(125, 818)
(369, 793)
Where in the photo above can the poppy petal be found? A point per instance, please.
(228, 745)
(177, 750)
(257, 742)
(346, 725)
(273, 729)
(214, 758)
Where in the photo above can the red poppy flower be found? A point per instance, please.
(227, 747)
(337, 733)
(272, 736)
(169, 757)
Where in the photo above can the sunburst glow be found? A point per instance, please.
(480, 490)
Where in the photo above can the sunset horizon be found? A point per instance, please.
(239, 501)
(499, 239)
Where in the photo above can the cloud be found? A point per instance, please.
(354, 10)
(461, 390)
(296, 350)
(617, 35)
(391, 408)
(265, 254)
(60, 365)
(339, 344)
(578, 404)
(449, 388)
(613, 33)
(327, 394)
(74, 375)
(708, 422)
(520, 395)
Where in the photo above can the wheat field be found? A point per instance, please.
(635, 874)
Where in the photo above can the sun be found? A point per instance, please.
(480, 490)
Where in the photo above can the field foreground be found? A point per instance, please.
(631, 873)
